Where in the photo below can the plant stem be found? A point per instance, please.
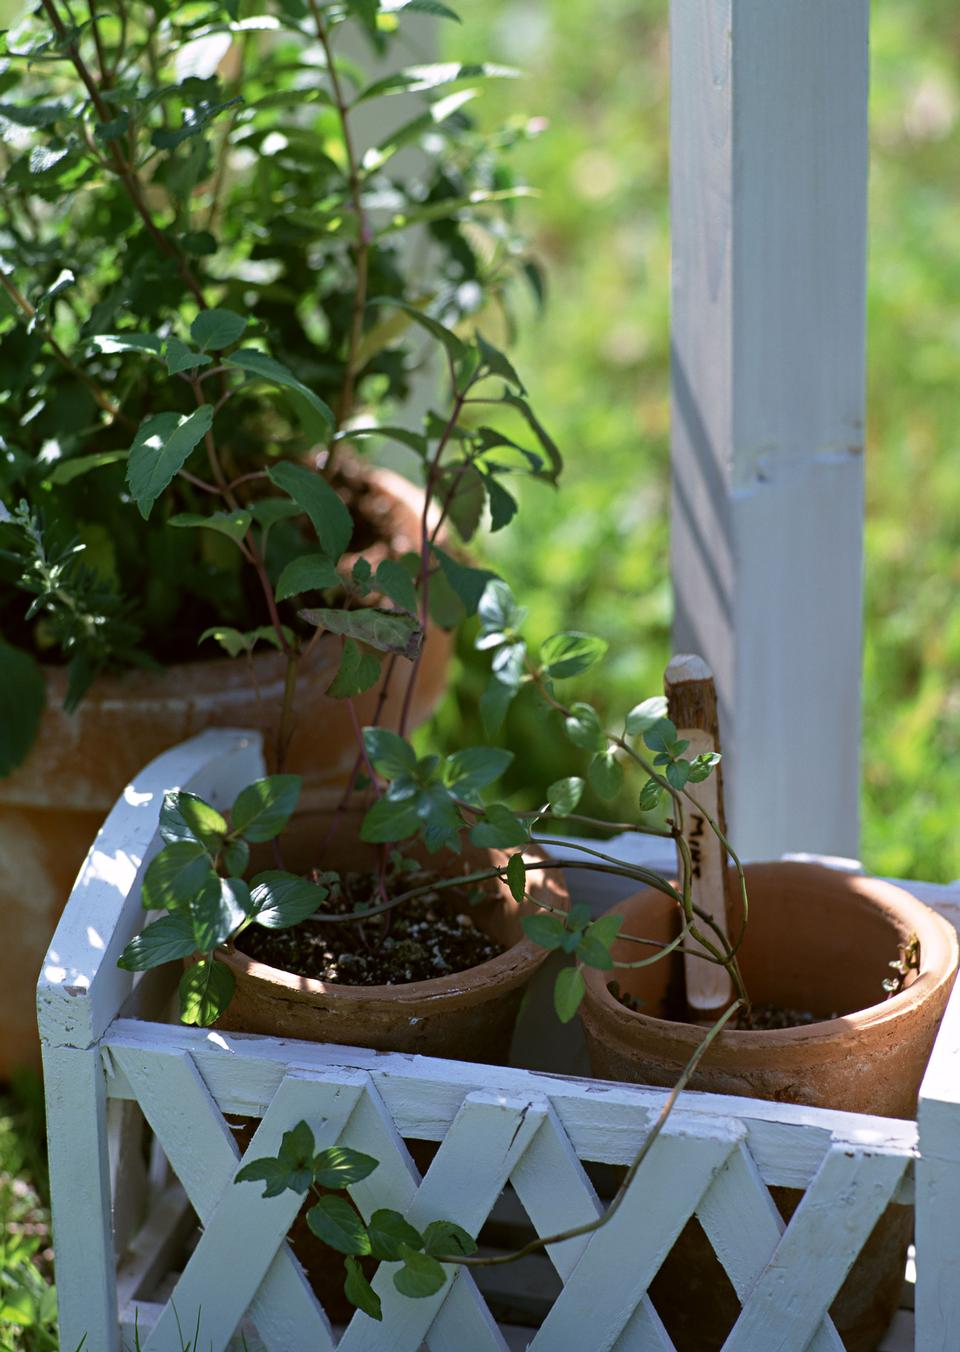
(542, 1242)
(124, 171)
(425, 542)
(348, 389)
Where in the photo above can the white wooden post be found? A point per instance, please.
(768, 201)
(938, 1190)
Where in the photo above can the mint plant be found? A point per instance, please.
(205, 278)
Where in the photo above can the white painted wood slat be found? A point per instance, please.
(620, 1260)
(826, 1233)
(768, 208)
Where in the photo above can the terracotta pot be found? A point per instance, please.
(53, 805)
(467, 1016)
(817, 940)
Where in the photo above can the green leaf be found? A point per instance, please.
(548, 445)
(110, 343)
(179, 357)
(270, 1171)
(281, 899)
(395, 582)
(605, 774)
(494, 704)
(517, 877)
(413, 440)
(359, 1292)
(217, 329)
(65, 471)
(167, 940)
(388, 820)
(234, 525)
(268, 511)
(498, 829)
(175, 876)
(185, 816)
(160, 449)
(219, 908)
(419, 79)
(462, 490)
(677, 773)
(419, 6)
(563, 795)
(338, 1167)
(650, 796)
(594, 953)
(234, 643)
(325, 508)
(206, 989)
(24, 698)
(475, 767)
(310, 572)
(389, 753)
(584, 728)
(386, 630)
(546, 930)
(568, 992)
(334, 1221)
(296, 1154)
(263, 808)
(503, 505)
(358, 671)
(446, 337)
(389, 1232)
(236, 857)
(644, 716)
(420, 1275)
(468, 583)
(497, 364)
(566, 655)
(606, 929)
(661, 736)
(498, 610)
(703, 765)
(267, 368)
(443, 1239)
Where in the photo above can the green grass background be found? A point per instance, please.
(595, 555)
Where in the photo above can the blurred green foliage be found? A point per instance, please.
(597, 365)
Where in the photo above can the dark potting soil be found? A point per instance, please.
(422, 939)
(763, 1018)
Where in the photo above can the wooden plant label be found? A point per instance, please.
(692, 706)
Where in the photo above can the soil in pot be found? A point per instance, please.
(818, 940)
(429, 936)
(465, 1014)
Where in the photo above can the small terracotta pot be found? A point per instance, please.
(53, 805)
(467, 1016)
(817, 940)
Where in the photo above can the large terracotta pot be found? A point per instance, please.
(817, 940)
(467, 1016)
(51, 808)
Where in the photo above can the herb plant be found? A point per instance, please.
(206, 275)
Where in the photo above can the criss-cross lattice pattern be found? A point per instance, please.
(785, 1277)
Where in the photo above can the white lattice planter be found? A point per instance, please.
(110, 1063)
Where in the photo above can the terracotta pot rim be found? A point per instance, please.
(939, 959)
(516, 961)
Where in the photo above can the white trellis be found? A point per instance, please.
(150, 1243)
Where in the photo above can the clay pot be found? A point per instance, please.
(467, 1016)
(817, 940)
(53, 805)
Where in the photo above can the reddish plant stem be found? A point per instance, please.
(124, 171)
(348, 389)
(425, 544)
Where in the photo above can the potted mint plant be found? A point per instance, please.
(209, 297)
